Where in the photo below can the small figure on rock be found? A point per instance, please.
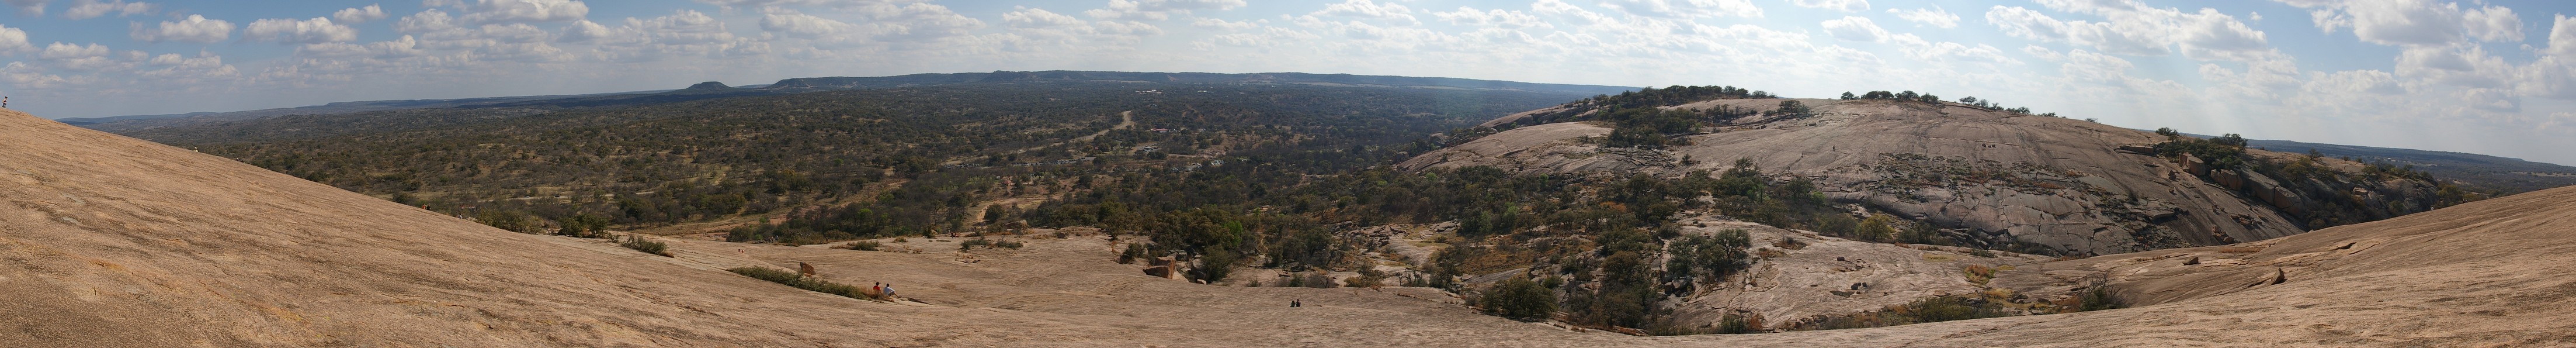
(1296, 303)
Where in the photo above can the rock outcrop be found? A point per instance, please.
(1996, 179)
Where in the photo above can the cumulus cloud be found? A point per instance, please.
(309, 31)
(14, 40)
(800, 25)
(195, 29)
(1505, 19)
(28, 7)
(771, 3)
(1389, 11)
(684, 27)
(1040, 18)
(1685, 9)
(89, 58)
(359, 14)
(426, 21)
(1156, 10)
(1855, 29)
(405, 47)
(2414, 22)
(516, 11)
(86, 9)
(1935, 17)
(1839, 5)
(2133, 28)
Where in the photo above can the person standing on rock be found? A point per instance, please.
(1296, 303)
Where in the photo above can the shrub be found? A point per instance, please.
(868, 245)
(1134, 251)
(645, 245)
(1980, 274)
(1519, 298)
(1937, 309)
(1368, 278)
(584, 226)
(1740, 324)
(509, 220)
(801, 282)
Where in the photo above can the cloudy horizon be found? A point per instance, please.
(2489, 77)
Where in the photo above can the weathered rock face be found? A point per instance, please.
(1826, 276)
(2001, 178)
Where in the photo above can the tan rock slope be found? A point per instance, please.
(1996, 177)
(2494, 273)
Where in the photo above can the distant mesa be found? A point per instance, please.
(708, 86)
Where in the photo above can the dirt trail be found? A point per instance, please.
(1126, 120)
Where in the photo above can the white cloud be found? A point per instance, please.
(2132, 28)
(196, 29)
(90, 58)
(1505, 19)
(1935, 17)
(14, 40)
(684, 27)
(1855, 29)
(2493, 23)
(1685, 9)
(2043, 53)
(1389, 11)
(426, 21)
(920, 22)
(62, 51)
(2414, 22)
(516, 11)
(1839, 5)
(2562, 36)
(86, 9)
(1041, 18)
(310, 31)
(29, 8)
(1156, 10)
(2355, 82)
(359, 14)
(800, 25)
(2468, 66)
(1214, 23)
(404, 47)
(587, 31)
(771, 3)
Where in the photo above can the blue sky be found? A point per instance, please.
(2493, 77)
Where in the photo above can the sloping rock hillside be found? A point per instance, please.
(1991, 178)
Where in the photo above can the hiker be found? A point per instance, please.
(1296, 303)
(878, 287)
(889, 290)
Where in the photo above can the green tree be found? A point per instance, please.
(1519, 298)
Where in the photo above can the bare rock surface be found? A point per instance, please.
(2003, 177)
(1825, 276)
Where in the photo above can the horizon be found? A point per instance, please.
(2483, 77)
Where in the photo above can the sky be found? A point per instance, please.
(2493, 77)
